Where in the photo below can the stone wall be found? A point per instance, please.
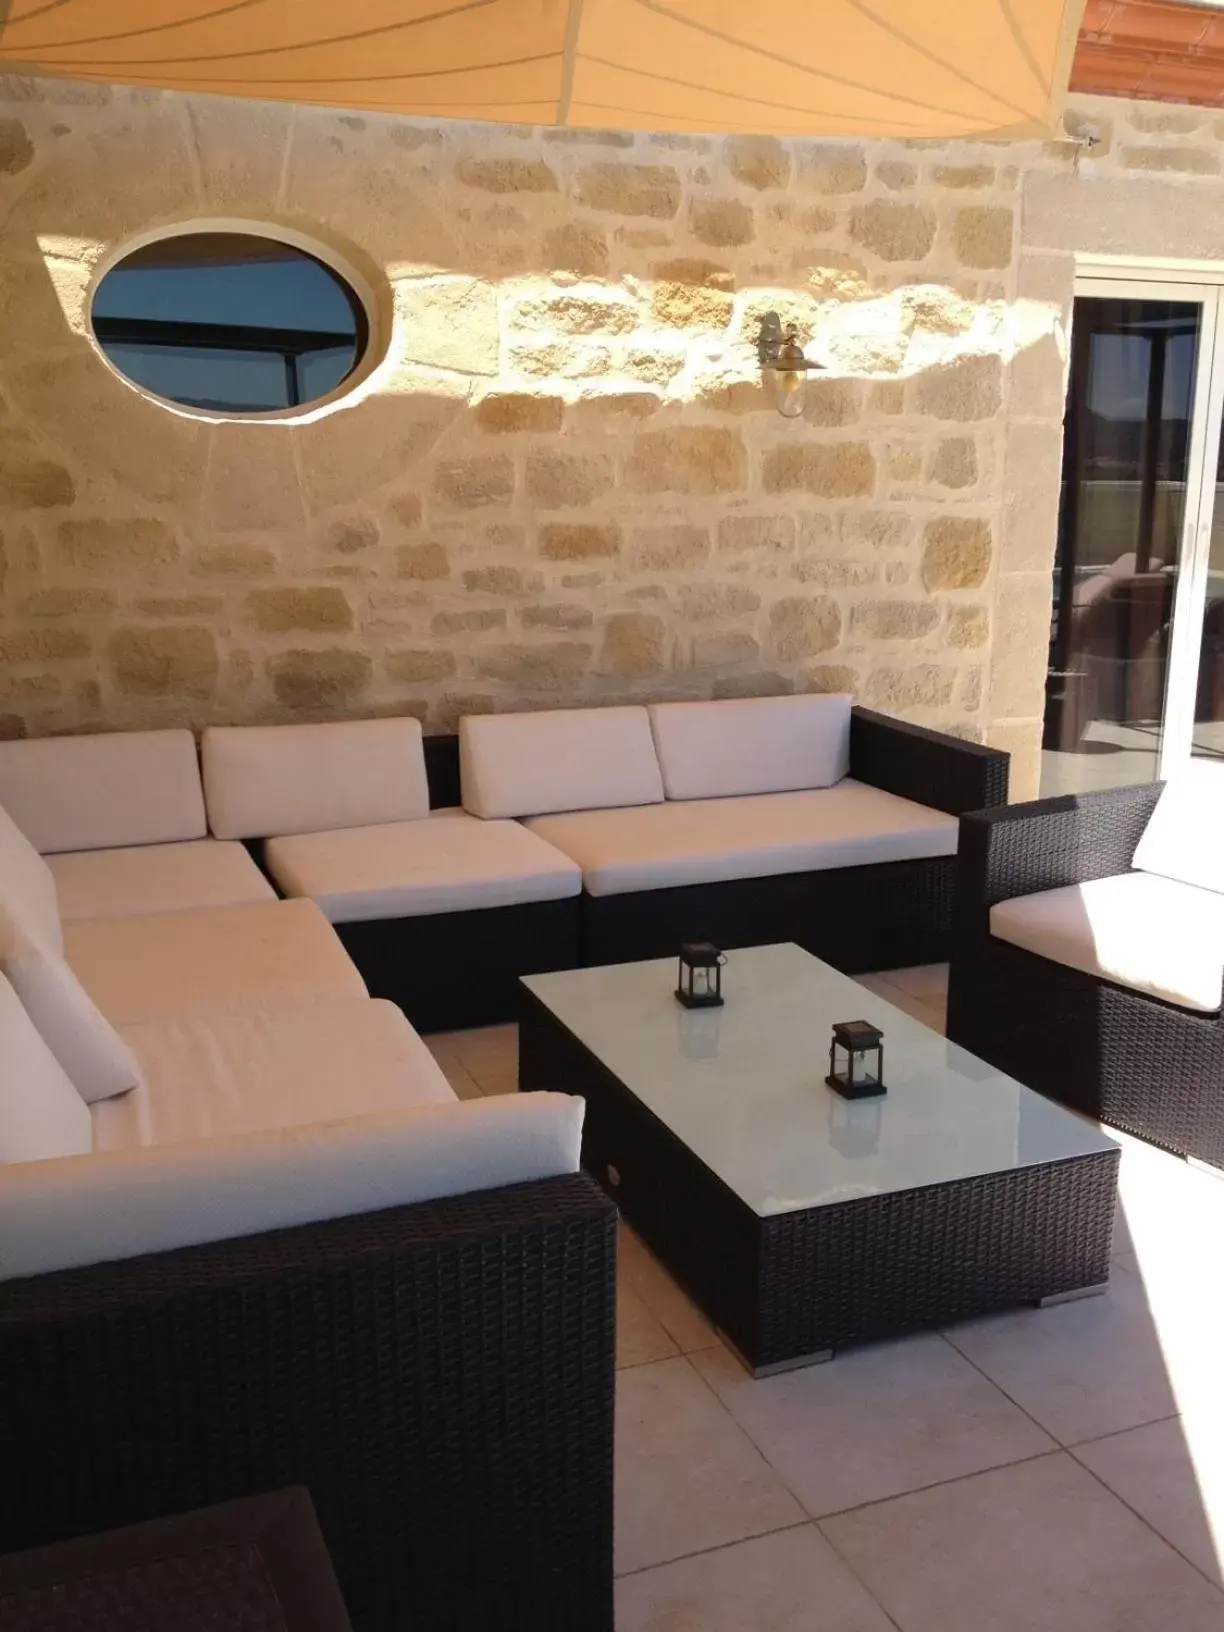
(562, 483)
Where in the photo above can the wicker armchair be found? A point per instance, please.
(439, 1376)
(1139, 1064)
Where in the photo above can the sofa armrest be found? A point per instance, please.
(929, 767)
(120, 1204)
(1045, 845)
(439, 1376)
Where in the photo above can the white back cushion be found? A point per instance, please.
(125, 1202)
(752, 745)
(1184, 838)
(96, 793)
(96, 1059)
(27, 887)
(563, 759)
(41, 1113)
(262, 781)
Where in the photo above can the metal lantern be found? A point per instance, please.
(699, 982)
(856, 1060)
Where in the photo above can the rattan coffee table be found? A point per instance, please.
(801, 1222)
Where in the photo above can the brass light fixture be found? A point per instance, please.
(784, 368)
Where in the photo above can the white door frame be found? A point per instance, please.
(1203, 285)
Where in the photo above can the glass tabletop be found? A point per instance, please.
(743, 1086)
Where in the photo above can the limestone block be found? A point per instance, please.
(164, 662)
(956, 552)
(240, 148)
(508, 411)
(101, 546)
(448, 323)
(898, 689)
(1032, 483)
(968, 627)
(558, 615)
(831, 677)
(1021, 642)
(760, 162)
(415, 667)
(368, 443)
(469, 484)
(277, 611)
(833, 167)
(936, 308)
(816, 219)
(765, 536)
(894, 232)
(501, 580)
(759, 684)
(578, 312)
(983, 236)
(576, 246)
(832, 402)
(16, 148)
(804, 626)
(691, 294)
(234, 561)
(1199, 161)
(660, 549)
(43, 645)
(1022, 740)
(12, 727)
(251, 481)
(328, 679)
(506, 175)
(700, 603)
(829, 470)
(603, 405)
(828, 574)
(955, 463)
(655, 367)
(721, 222)
(578, 541)
(724, 648)
(426, 562)
(634, 645)
(28, 482)
(1038, 380)
(875, 530)
(553, 666)
(477, 621)
(963, 177)
(559, 481)
(350, 536)
(64, 602)
(630, 189)
(687, 459)
(405, 510)
(176, 606)
(968, 388)
(896, 175)
(893, 620)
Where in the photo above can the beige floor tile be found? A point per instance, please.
(687, 1477)
(490, 1053)
(443, 1047)
(791, 1581)
(668, 1303)
(928, 981)
(1082, 1370)
(639, 1336)
(1038, 1547)
(880, 985)
(1172, 1474)
(874, 1422)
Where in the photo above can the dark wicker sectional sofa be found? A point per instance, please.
(1148, 1067)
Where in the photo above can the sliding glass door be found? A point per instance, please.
(1136, 669)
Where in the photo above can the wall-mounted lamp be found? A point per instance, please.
(784, 368)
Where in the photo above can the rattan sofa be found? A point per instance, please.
(1112, 1007)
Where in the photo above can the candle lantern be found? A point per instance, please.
(699, 982)
(856, 1060)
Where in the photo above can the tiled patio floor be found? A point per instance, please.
(1057, 1469)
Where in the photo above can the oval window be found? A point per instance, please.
(232, 322)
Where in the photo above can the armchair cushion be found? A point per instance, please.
(227, 958)
(751, 745)
(1153, 934)
(95, 1057)
(123, 1203)
(27, 888)
(217, 1075)
(452, 862)
(41, 1113)
(707, 841)
(560, 759)
(1182, 839)
(269, 779)
(156, 878)
(96, 793)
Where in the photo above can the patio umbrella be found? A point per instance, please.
(916, 68)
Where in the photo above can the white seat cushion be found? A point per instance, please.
(27, 888)
(41, 1113)
(1184, 838)
(96, 1058)
(217, 1075)
(709, 840)
(156, 878)
(450, 863)
(262, 780)
(560, 759)
(96, 793)
(120, 1203)
(751, 745)
(210, 962)
(1153, 934)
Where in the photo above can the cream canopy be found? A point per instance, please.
(913, 68)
